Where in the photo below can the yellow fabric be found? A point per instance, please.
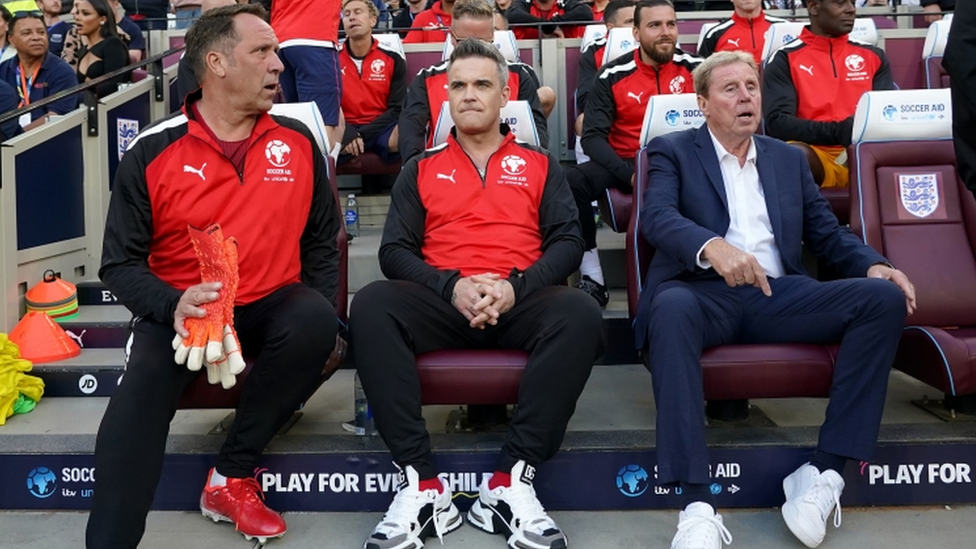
(21, 5)
(14, 380)
(835, 175)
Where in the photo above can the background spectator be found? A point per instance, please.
(149, 14)
(56, 28)
(934, 7)
(548, 11)
(129, 32)
(405, 17)
(8, 102)
(431, 25)
(105, 53)
(187, 11)
(6, 50)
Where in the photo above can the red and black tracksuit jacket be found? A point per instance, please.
(280, 209)
(306, 22)
(428, 92)
(372, 97)
(811, 87)
(590, 61)
(739, 34)
(616, 104)
(526, 11)
(447, 221)
(435, 19)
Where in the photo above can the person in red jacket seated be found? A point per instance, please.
(811, 88)
(432, 25)
(745, 31)
(550, 12)
(374, 84)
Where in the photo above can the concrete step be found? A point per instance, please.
(95, 372)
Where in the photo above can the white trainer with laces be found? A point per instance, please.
(700, 527)
(516, 513)
(810, 497)
(414, 515)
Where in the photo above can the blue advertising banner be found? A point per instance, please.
(50, 191)
(574, 480)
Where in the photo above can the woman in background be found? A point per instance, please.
(6, 50)
(105, 52)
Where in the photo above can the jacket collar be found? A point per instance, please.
(822, 43)
(738, 19)
(263, 124)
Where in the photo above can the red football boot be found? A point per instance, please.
(241, 502)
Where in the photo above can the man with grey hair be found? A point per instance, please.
(223, 165)
(727, 213)
(481, 234)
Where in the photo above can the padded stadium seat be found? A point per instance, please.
(200, 393)
(912, 207)
(139, 74)
(478, 377)
(517, 114)
(701, 34)
(592, 33)
(664, 114)
(780, 35)
(865, 30)
(391, 42)
(733, 374)
(619, 41)
(932, 51)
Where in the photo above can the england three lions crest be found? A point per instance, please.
(919, 194)
(128, 129)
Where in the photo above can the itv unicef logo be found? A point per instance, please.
(890, 112)
(41, 482)
(632, 480)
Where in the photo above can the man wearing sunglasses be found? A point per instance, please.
(34, 73)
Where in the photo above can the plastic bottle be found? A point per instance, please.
(352, 217)
(364, 415)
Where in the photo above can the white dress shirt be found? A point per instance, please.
(749, 226)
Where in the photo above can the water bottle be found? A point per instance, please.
(364, 415)
(352, 217)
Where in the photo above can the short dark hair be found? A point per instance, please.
(215, 30)
(648, 4)
(610, 12)
(5, 13)
(472, 47)
(110, 28)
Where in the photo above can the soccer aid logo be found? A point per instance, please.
(854, 62)
(890, 112)
(514, 164)
(377, 66)
(632, 480)
(41, 482)
(677, 84)
(278, 153)
(672, 117)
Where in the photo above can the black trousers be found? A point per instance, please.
(588, 182)
(865, 314)
(290, 332)
(393, 321)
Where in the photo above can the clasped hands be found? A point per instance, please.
(483, 298)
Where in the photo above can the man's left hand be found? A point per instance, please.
(900, 280)
(502, 297)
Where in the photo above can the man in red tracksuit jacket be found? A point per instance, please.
(745, 31)
(431, 25)
(374, 84)
(428, 91)
(614, 115)
(811, 88)
(618, 13)
(263, 179)
(549, 12)
(481, 233)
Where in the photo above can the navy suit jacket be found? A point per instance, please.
(685, 205)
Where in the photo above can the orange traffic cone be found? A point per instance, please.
(56, 297)
(41, 340)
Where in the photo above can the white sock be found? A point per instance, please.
(590, 266)
(216, 479)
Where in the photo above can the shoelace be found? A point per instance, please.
(248, 487)
(405, 508)
(697, 537)
(525, 505)
(825, 496)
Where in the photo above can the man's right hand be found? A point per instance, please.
(471, 298)
(189, 304)
(736, 266)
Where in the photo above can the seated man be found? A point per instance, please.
(409, 10)
(727, 269)
(374, 81)
(552, 12)
(428, 91)
(745, 31)
(614, 115)
(208, 166)
(618, 13)
(432, 24)
(34, 73)
(481, 233)
(811, 88)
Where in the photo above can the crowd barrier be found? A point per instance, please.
(54, 212)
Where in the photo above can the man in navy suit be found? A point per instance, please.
(727, 211)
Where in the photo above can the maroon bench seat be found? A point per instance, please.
(479, 377)
(369, 164)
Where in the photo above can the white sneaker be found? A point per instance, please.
(414, 515)
(700, 527)
(810, 497)
(516, 513)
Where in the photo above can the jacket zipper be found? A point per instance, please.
(833, 67)
(240, 174)
(752, 34)
(483, 181)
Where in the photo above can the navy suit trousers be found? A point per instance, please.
(686, 317)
